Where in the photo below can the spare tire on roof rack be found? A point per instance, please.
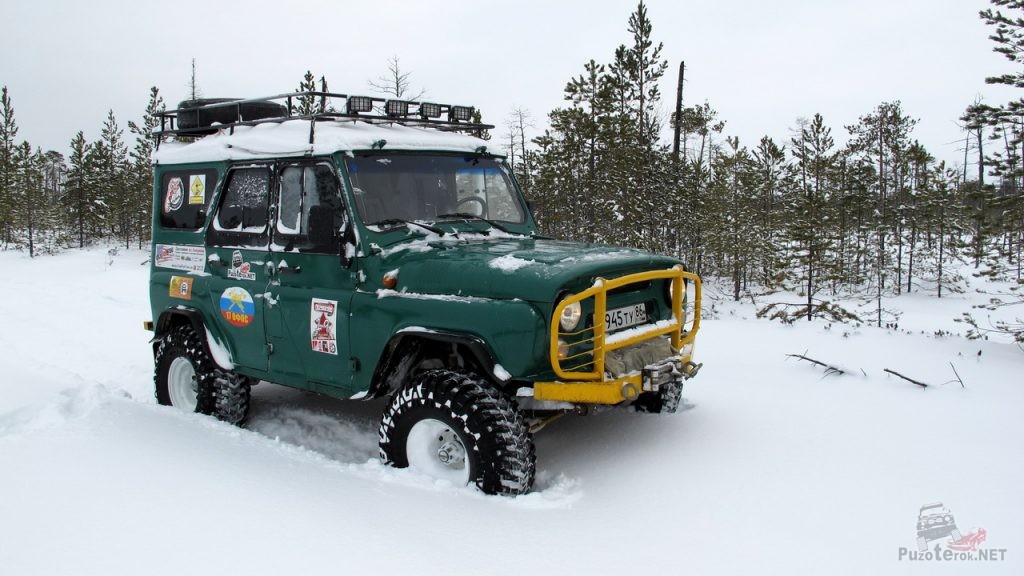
(191, 115)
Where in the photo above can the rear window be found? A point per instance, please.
(185, 198)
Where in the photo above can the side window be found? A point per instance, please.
(185, 198)
(308, 192)
(242, 215)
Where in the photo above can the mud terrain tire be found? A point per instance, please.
(231, 393)
(222, 394)
(498, 447)
(181, 350)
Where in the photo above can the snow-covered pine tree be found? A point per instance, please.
(810, 229)
(771, 175)
(914, 220)
(882, 137)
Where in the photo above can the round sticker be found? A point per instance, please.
(236, 306)
(175, 195)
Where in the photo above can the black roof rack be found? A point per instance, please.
(203, 117)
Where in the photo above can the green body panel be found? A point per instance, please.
(494, 287)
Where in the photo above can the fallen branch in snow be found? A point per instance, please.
(895, 373)
(829, 369)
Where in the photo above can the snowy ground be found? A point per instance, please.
(772, 468)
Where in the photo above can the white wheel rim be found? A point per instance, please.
(181, 384)
(434, 449)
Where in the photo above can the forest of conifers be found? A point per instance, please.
(874, 216)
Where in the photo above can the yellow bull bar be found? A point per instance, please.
(591, 386)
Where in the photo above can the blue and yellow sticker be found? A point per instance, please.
(236, 306)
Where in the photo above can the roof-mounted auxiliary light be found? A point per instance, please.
(460, 113)
(357, 104)
(396, 108)
(430, 110)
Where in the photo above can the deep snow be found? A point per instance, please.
(772, 467)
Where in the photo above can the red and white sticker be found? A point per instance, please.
(323, 323)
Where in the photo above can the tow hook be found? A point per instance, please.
(690, 369)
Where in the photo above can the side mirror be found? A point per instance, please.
(347, 244)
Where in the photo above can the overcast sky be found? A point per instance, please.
(761, 64)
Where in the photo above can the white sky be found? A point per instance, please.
(761, 64)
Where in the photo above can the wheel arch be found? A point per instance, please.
(410, 347)
(179, 316)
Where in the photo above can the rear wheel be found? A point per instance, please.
(456, 426)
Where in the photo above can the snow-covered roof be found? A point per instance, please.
(291, 138)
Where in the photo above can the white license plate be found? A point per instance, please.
(620, 318)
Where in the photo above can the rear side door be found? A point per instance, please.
(308, 301)
(237, 244)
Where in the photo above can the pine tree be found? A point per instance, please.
(33, 207)
(307, 104)
(77, 207)
(140, 176)
(771, 175)
(809, 220)
(114, 173)
(883, 138)
(8, 166)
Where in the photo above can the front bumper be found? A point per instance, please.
(625, 364)
(618, 390)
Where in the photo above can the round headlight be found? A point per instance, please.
(571, 315)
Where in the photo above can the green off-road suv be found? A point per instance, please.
(367, 248)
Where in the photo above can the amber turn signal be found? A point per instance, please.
(390, 279)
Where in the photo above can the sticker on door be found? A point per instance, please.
(323, 316)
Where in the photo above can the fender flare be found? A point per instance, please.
(406, 340)
(179, 315)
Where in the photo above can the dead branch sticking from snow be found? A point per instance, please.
(958, 378)
(829, 369)
(895, 373)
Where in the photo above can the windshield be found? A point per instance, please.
(392, 188)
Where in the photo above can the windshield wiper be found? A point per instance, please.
(388, 221)
(468, 216)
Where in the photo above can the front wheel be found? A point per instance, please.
(184, 375)
(456, 426)
(187, 378)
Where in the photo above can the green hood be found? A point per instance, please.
(516, 267)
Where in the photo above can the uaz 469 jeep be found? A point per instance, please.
(376, 248)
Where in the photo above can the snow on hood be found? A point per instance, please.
(513, 267)
(291, 138)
